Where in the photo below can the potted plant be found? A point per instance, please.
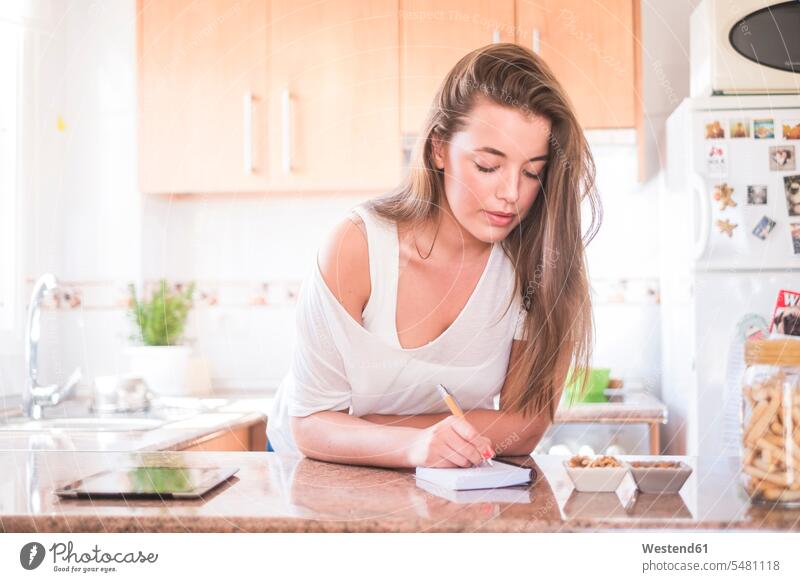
(160, 320)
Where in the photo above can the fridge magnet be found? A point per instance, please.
(764, 227)
(781, 158)
(757, 194)
(763, 128)
(794, 227)
(740, 128)
(791, 186)
(724, 195)
(791, 129)
(786, 315)
(726, 227)
(717, 161)
(751, 326)
(714, 130)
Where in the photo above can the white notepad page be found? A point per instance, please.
(515, 494)
(484, 477)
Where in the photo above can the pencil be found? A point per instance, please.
(455, 409)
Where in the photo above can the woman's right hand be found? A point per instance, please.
(451, 442)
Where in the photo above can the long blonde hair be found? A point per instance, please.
(547, 248)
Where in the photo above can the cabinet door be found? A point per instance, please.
(334, 95)
(434, 36)
(590, 46)
(232, 439)
(203, 95)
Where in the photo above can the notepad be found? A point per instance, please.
(484, 477)
(515, 494)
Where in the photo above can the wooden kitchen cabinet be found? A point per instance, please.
(236, 439)
(592, 48)
(334, 95)
(434, 35)
(296, 96)
(249, 437)
(203, 83)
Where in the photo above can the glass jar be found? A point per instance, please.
(771, 421)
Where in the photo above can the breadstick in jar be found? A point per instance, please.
(779, 479)
(760, 420)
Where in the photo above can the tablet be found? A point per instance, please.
(149, 482)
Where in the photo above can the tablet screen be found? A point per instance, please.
(149, 482)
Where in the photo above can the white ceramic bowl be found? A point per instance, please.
(596, 479)
(661, 479)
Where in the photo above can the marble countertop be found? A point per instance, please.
(276, 492)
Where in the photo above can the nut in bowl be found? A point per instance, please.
(660, 476)
(595, 474)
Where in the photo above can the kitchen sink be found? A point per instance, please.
(92, 424)
(76, 416)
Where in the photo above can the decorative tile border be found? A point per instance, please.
(627, 291)
(114, 295)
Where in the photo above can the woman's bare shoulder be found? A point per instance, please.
(344, 264)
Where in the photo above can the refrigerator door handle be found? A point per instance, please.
(704, 216)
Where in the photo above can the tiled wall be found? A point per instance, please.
(249, 255)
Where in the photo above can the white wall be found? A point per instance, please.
(81, 205)
(233, 247)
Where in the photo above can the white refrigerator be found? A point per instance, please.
(715, 271)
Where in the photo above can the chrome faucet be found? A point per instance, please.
(34, 396)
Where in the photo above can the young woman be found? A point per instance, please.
(470, 274)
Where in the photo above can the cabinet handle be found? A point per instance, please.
(495, 36)
(536, 41)
(248, 133)
(286, 141)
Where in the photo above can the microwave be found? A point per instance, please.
(740, 47)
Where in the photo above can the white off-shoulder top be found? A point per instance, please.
(341, 365)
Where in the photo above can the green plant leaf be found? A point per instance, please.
(160, 320)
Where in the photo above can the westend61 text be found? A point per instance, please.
(672, 549)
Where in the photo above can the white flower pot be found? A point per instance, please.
(165, 369)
